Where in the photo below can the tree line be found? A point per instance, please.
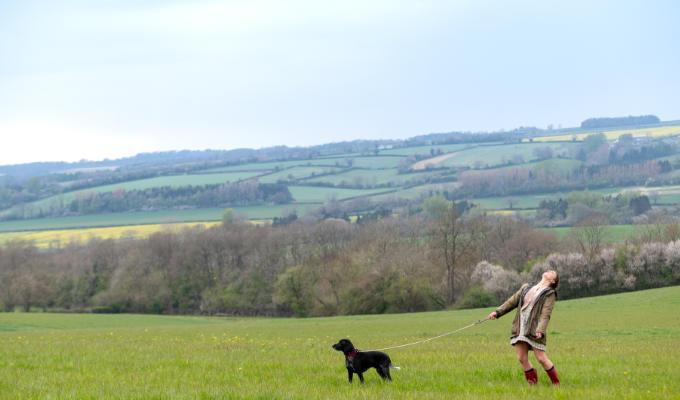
(306, 267)
(120, 200)
(603, 122)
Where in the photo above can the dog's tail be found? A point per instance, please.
(393, 367)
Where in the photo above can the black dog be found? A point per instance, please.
(359, 361)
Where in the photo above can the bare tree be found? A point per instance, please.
(590, 235)
(455, 246)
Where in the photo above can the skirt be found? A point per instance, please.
(523, 326)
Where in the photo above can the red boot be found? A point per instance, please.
(532, 376)
(552, 373)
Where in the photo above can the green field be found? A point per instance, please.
(148, 217)
(370, 177)
(612, 233)
(498, 155)
(273, 165)
(141, 184)
(322, 194)
(445, 148)
(623, 346)
(295, 173)
(379, 162)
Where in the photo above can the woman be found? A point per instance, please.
(534, 304)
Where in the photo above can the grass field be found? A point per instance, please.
(498, 155)
(622, 346)
(273, 165)
(322, 194)
(370, 177)
(296, 173)
(148, 217)
(612, 233)
(445, 148)
(173, 181)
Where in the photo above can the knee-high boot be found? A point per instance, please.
(552, 373)
(532, 376)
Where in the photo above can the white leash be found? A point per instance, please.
(436, 337)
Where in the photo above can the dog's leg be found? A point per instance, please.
(384, 372)
(361, 377)
(387, 373)
(349, 375)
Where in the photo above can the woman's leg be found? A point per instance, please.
(522, 350)
(547, 365)
(543, 359)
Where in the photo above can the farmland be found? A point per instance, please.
(616, 346)
(493, 156)
(377, 175)
(56, 238)
(660, 131)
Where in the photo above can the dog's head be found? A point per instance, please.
(344, 345)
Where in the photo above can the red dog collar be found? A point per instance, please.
(352, 354)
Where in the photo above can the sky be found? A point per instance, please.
(82, 79)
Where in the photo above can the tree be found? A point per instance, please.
(593, 142)
(228, 216)
(590, 235)
(455, 246)
(437, 206)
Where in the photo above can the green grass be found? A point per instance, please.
(147, 217)
(322, 194)
(380, 162)
(520, 201)
(445, 148)
(370, 177)
(613, 233)
(498, 155)
(141, 184)
(609, 347)
(273, 165)
(296, 173)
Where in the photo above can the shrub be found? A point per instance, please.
(477, 297)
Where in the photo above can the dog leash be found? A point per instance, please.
(436, 337)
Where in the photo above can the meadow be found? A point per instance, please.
(141, 184)
(617, 346)
(499, 155)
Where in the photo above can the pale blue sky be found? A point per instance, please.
(96, 79)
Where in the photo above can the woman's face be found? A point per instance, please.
(550, 276)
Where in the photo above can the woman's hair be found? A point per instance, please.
(557, 283)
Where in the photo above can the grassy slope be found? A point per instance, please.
(618, 346)
(148, 217)
(499, 155)
(141, 184)
(371, 170)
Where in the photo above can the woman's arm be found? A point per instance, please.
(509, 304)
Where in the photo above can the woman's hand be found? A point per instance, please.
(539, 335)
(493, 315)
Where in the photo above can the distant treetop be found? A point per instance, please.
(619, 121)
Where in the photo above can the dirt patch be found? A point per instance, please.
(420, 165)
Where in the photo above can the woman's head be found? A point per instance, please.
(551, 277)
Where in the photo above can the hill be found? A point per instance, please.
(504, 172)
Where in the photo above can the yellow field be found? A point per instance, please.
(613, 135)
(57, 238)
